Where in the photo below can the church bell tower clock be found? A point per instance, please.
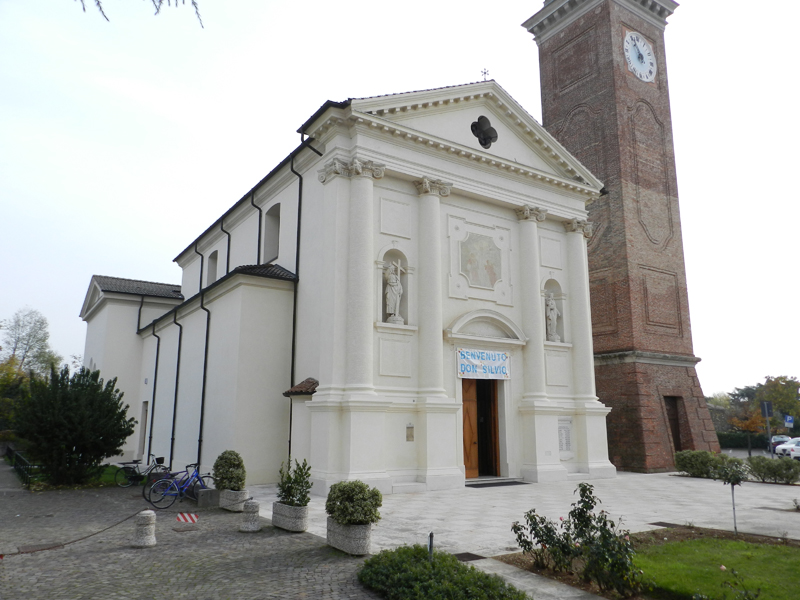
(605, 98)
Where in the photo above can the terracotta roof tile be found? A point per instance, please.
(137, 287)
(304, 388)
(271, 271)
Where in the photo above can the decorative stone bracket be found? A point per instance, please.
(355, 168)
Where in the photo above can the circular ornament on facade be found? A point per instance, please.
(639, 56)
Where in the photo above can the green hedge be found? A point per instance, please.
(407, 574)
(737, 439)
(701, 463)
(780, 470)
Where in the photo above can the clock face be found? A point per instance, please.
(640, 56)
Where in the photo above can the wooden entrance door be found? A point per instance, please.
(469, 397)
(481, 439)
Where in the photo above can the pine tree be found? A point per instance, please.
(73, 424)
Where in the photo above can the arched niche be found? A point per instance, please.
(553, 300)
(486, 325)
(272, 233)
(394, 282)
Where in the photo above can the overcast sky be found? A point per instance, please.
(121, 141)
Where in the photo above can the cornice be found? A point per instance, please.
(558, 14)
(652, 358)
(375, 124)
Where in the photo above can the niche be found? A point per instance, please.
(394, 288)
(211, 270)
(272, 234)
(553, 311)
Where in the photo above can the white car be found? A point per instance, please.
(783, 449)
(794, 451)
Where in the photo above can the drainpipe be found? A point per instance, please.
(228, 252)
(177, 382)
(205, 371)
(139, 316)
(260, 225)
(155, 387)
(297, 274)
(202, 268)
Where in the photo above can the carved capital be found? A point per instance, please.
(355, 168)
(433, 186)
(531, 213)
(579, 226)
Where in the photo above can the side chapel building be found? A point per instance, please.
(405, 299)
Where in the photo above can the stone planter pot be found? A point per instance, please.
(290, 518)
(353, 539)
(233, 500)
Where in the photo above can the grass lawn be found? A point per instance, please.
(684, 568)
(683, 561)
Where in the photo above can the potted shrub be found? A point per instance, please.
(229, 478)
(290, 512)
(352, 508)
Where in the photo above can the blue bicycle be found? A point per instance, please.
(186, 483)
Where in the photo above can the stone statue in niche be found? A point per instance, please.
(551, 315)
(394, 292)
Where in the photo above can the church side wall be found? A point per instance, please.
(113, 347)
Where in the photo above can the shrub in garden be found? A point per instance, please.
(588, 540)
(295, 485)
(73, 423)
(701, 463)
(786, 470)
(229, 472)
(353, 503)
(407, 574)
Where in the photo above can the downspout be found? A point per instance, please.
(155, 387)
(139, 316)
(177, 382)
(260, 225)
(202, 268)
(297, 280)
(205, 371)
(228, 252)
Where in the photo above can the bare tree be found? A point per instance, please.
(25, 339)
(157, 4)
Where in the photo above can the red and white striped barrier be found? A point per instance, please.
(187, 518)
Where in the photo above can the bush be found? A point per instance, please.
(229, 472)
(697, 463)
(353, 503)
(73, 423)
(407, 574)
(781, 470)
(593, 542)
(294, 487)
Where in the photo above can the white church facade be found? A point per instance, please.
(403, 300)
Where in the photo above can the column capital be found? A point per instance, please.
(531, 213)
(579, 226)
(354, 168)
(433, 186)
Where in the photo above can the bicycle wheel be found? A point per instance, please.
(206, 482)
(124, 477)
(163, 493)
(157, 472)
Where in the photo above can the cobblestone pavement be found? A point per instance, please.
(209, 560)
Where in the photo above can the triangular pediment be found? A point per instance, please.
(448, 114)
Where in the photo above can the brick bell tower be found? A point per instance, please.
(605, 98)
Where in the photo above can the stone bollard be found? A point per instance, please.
(250, 519)
(145, 530)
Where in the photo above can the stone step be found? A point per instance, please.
(484, 480)
(409, 487)
(577, 476)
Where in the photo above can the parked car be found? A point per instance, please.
(777, 440)
(794, 451)
(783, 449)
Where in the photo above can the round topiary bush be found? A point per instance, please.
(229, 473)
(353, 503)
